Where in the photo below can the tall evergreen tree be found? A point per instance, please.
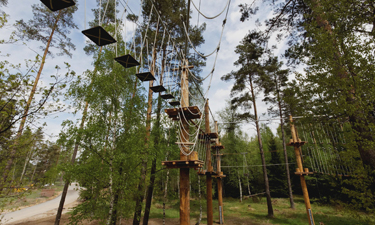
(273, 82)
(276, 173)
(250, 71)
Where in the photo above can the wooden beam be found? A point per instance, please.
(184, 172)
(183, 68)
(297, 145)
(210, 218)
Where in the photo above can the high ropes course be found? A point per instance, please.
(322, 145)
(195, 143)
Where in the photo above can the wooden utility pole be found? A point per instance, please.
(188, 159)
(184, 172)
(219, 180)
(297, 143)
(209, 172)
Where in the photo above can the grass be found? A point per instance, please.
(249, 212)
(27, 198)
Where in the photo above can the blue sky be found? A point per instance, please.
(219, 91)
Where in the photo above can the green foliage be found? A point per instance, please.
(276, 171)
(44, 21)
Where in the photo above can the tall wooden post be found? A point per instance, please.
(184, 172)
(210, 218)
(219, 180)
(297, 145)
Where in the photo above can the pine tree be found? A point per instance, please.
(249, 74)
(273, 82)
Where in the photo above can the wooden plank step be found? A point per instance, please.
(58, 4)
(127, 61)
(174, 103)
(147, 76)
(99, 36)
(167, 96)
(185, 143)
(159, 88)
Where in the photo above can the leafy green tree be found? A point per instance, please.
(250, 71)
(83, 97)
(112, 138)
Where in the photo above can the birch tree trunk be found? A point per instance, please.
(165, 196)
(76, 145)
(239, 185)
(248, 184)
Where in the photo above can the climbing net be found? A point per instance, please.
(326, 150)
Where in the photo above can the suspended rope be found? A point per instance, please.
(210, 17)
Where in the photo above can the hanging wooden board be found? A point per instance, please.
(167, 96)
(145, 76)
(159, 88)
(174, 103)
(55, 5)
(99, 36)
(127, 61)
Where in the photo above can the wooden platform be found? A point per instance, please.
(191, 112)
(297, 143)
(175, 164)
(217, 147)
(219, 176)
(304, 173)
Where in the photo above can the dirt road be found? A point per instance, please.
(42, 210)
